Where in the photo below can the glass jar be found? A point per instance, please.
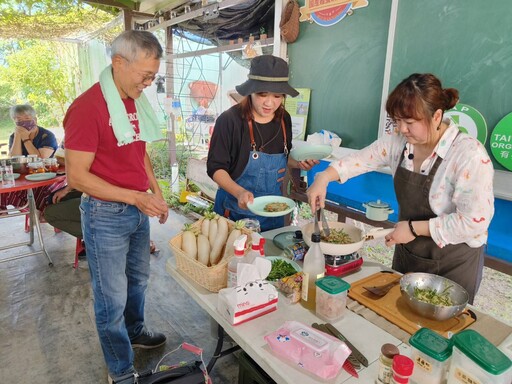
(32, 158)
(36, 167)
(387, 352)
(51, 164)
(252, 225)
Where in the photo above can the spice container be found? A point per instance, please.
(431, 354)
(331, 297)
(476, 360)
(36, 167)
(387, 352)
(402, 369)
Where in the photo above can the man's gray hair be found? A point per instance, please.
(21, 109)
(130, 43)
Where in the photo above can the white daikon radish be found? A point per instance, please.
(203, 249)
(212, 232)
(188, 242)
(233, 235)
(220, 240)
(205, 225)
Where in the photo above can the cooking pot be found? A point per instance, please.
(19, 164)
(356, 235)
(377, 210)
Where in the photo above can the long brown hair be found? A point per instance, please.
(246, 107)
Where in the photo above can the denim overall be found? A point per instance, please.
(260, 176)
(457, 262)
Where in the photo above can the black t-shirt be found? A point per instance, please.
(230, 144)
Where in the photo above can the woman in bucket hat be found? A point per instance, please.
(250, 143)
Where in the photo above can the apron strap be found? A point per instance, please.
(253, 142)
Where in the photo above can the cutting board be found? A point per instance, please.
(394, 308)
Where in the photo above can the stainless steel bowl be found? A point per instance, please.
(457, 294)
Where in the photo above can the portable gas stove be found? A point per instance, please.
(343, 264)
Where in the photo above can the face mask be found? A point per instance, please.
(27, 124)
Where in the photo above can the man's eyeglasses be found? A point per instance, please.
(144, 77)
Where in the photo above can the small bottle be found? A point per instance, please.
(387, 352)
(255, 247)
(402, 369)
(313, 269)
(239, 258)
(262, 246)
(297, 249)
(7, 174)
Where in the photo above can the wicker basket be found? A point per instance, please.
(212, 278)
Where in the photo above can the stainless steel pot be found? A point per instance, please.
(356, 235)
(378, 210)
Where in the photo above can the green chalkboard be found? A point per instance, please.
(466, 43)
(344, 66)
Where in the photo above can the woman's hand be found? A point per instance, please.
(22, 133)
(316, 193)
(401, 235)
(244, 197)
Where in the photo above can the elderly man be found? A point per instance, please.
(106, 130)
(29, 139)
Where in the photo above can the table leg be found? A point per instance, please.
(34, 222)
(218, 349)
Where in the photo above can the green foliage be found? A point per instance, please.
(36, 73)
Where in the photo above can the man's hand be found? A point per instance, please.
(306, 165)
(152, 205)
(59, 195)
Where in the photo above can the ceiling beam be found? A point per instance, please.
(122, 4)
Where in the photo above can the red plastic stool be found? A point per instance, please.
(79, 248)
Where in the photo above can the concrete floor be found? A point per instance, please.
(47, 329)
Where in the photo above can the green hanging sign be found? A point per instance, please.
(469, 120)
(501, 142)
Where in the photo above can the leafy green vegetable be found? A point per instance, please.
(431, 296)
(280, 268)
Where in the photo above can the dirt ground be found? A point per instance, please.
(493, 297)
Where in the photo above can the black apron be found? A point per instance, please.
(457, 262)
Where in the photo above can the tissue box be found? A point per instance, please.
(247, 301)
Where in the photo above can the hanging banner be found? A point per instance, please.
(328, 12)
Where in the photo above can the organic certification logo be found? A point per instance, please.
(469, 120)
(501, 142)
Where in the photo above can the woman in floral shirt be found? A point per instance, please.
(443, 181)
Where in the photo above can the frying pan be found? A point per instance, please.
(357, 236)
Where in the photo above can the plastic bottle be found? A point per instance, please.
(239, 258)
(262, 246)
(313, 269)
(387, 352)
(255, 247)
(402, 369)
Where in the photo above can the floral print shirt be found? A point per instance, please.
(461, 195)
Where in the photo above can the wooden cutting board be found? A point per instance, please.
(394, 308)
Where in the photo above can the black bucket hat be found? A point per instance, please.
(267, 74)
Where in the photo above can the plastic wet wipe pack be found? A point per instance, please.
(309, 349)
(252, 297)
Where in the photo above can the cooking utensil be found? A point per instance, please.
(325, 225)
(382, 290)
(457, 294)
(354, 363)
(358, 355)
(377, 210)
(356, 235)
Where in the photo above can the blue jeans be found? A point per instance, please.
(116, 237)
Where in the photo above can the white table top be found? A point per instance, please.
(364, 335)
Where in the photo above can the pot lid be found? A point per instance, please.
(378, 204)
(285, 239)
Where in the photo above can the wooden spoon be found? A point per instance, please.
(382, 290)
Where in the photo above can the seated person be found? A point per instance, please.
(29, 139)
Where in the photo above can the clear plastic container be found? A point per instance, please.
(476, 360)
(331, 298)
(36, 167)
(51, 164)
(431, 354)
